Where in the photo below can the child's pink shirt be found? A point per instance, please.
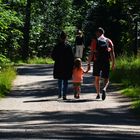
(77, 76)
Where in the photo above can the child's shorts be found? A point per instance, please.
(77, 84)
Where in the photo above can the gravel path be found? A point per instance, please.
(32, 111)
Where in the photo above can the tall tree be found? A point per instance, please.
(26, 31)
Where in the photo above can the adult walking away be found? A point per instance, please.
(102, 51)
(63, 56)
(79, 44)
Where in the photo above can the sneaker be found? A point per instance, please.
(103, 94)
(98, 96)
(64, 98)
(59, 97)
(77, 96)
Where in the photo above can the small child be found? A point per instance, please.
(77, 77)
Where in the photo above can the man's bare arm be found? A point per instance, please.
(112, 53)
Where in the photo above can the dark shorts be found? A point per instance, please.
(101, 69)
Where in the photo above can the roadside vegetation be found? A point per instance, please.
(7, 75)
(35, 60)
(40, 60)
(127, 72)
(8, 71)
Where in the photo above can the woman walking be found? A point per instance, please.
(63, 57)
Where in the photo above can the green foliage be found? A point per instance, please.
(111, 1)
(48, 18)
(37, 60)
(136, 106)
(4, 60)
(127, 72)
(7, 19)
(134, 94)
(10, 34)
(116, 17)
(7, 75)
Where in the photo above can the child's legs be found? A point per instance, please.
(77, 88)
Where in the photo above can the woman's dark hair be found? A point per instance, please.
(77, 63)
(63, 35)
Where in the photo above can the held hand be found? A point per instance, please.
(113, 66)
(88, 68)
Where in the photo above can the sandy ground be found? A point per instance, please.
(32, 110)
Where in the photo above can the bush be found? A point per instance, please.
(39, 60)
(127, 73)
(7, 75)
(4, 60)
(134, 94)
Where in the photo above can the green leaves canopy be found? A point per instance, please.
(49, 17)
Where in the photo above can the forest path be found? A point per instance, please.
(32, 111)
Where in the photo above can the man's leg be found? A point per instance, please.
(96, 74)
(106, 83)
(105, 75)
(97, 86)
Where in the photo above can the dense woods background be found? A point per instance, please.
(29, 28)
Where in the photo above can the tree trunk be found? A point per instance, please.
(25, 48)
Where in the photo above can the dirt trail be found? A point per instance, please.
(32, 111)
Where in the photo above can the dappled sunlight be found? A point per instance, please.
(32, 108)
(63, 124)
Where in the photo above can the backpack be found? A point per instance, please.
(102, 54)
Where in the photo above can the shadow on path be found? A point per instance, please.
(98, 123)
